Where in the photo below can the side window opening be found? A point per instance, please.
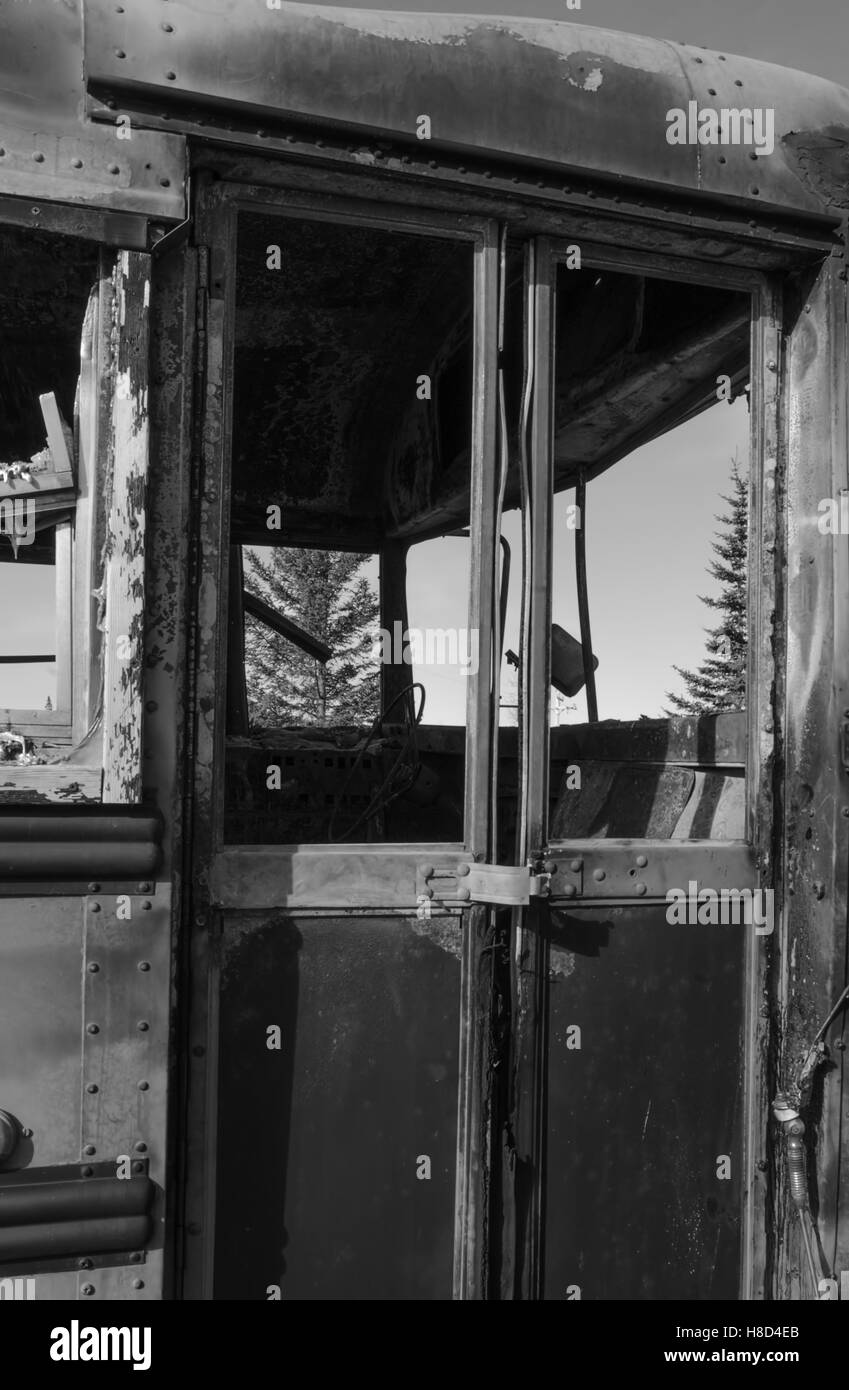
(652, 745)
(73, 458)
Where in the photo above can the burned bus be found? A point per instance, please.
(384, 993)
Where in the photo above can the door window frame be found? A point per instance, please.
(385, 877)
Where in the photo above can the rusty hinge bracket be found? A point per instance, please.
(506, 885)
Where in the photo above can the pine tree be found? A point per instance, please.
(720, 682)
(324, 592)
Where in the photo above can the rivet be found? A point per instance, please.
(135, 1257)
(87, 1171)
(144, 965)
(27, 1133)
(119, 53)
(737, 82)
(38, 157)
(138, 1283)
(76, 164)
(463, 870)
(569, 890)
(576, 865)
(171, 76)
(87, 1289)
(140, 1147)
(92, 1089)
(145, 887)
(144, 1085)
(762, 1165)
(143, 1025)
(93, 967)
(845, 811)
(771, 365)
(169, 28)
(94, 888)
(89, 1151)
(768, 729)
(641, 861)
(598, 875)
(164, 183)
(95, 907)
(113, 169)
(85, 1263)
(146, 905)
(550, 866)
(426, 872)
(138, 1166)
(92, 1028)
(640, 890)
(463, 894)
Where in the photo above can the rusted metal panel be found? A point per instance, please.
(764, 685)
(337, 1113)
(645, 1076)
(126, 1031)
(48, 150)
(562, 88)
(41, 943)
(123, 629)
(811, 971)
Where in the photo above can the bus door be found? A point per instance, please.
(630, 1137)
(342, 742)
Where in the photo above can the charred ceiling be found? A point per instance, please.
(353, 375)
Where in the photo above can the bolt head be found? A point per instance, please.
(87, 1289)
(85, 1264)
